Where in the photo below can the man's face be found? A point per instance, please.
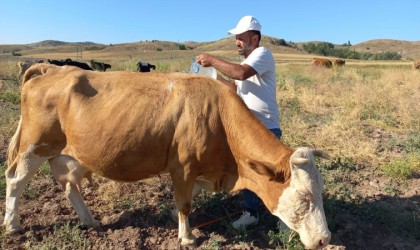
(245, 43)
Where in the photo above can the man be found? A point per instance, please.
(255, 82)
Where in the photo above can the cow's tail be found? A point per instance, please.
(35, 70)
(14, 144)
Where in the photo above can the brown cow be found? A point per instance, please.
(339, 62)
(321, 62)
(416, 65)
(23, 66)
(128, 126)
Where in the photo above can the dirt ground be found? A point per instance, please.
(137, 215)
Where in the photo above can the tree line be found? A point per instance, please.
(327, 49)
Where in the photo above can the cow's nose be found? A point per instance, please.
(323, 242)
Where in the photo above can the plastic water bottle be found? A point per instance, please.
(205, 71)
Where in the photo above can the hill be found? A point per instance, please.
(47, 43)
(143, 49)
(228, 44)
(407, 49)
(223, 47)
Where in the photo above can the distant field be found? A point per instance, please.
(149, 50)
(366, 115)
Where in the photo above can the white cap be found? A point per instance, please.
(246, 23)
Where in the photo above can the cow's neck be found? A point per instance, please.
(247, 136)
(250, 140)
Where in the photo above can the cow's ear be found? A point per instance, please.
(262, 168)
(320, 153)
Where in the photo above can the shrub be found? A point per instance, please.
(280, 42)
(387, 56)
(403, 168)
(327, 49)
(320, 48)
(66, 236)
(11, 97)
(95, 47)
(289, 239)
(182, 46)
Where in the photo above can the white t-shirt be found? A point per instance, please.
(259, 91)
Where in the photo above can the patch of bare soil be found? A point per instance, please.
(137, 215)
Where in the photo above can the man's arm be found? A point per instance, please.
(232, 70)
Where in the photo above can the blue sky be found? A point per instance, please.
(122, 21)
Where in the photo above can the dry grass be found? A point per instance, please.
(364, 113)
(8, 71)
(330, 109)
(9, 115)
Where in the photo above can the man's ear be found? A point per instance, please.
(262, 168)
(255, 38)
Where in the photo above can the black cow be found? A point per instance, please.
(145, 66)
(99, 65)
(56, 62)
(68, 61)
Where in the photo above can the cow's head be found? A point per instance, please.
(300, 205)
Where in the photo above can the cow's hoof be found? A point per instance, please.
(96, 225)
(188, 242)
(14, 230)
(99, 229)
(189, 245)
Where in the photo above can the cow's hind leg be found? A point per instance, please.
(18, 175)
(69, 173)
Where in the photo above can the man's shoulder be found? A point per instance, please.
(262, 49)
(262, 52)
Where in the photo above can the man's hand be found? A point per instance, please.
(231, 70)
(204, 60)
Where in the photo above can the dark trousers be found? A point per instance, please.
(251, 200)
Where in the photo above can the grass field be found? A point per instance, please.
(366, 115)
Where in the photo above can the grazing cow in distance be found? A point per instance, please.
(23, 66)
(339, 62)
(145, 66)
(321, 62)
(191, 127)
(57, 62)
(78, 64)
(416, 65)
(99, 65)
(70, 62)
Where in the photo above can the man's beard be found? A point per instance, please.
(244, 51)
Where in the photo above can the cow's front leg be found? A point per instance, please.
(184, 231)
(183, 194)
(195, 192)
